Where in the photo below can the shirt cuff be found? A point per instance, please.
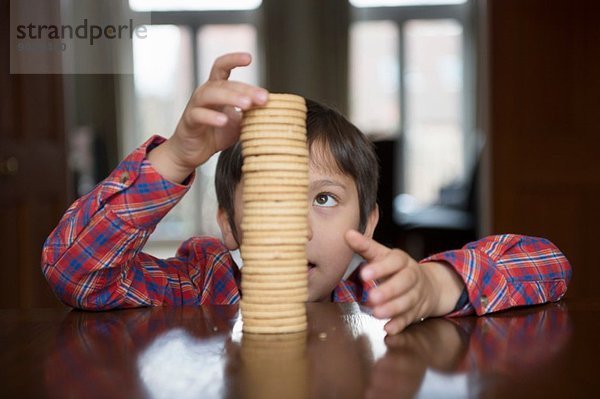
(463, 300)
(137, 193)
(487, 289)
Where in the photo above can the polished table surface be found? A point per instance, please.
(200, 352)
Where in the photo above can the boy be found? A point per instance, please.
(92, 260)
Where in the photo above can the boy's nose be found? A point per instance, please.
(309, 233)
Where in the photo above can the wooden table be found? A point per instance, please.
(543, 351)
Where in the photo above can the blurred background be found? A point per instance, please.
(484, 114)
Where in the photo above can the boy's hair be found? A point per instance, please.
(353, 153)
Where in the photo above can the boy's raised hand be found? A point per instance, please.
(407, 291)
(210, 121)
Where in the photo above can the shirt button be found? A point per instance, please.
(484, 301)
(124, 177)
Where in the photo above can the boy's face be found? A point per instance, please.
(333, 210)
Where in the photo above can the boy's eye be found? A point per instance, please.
(324, 199)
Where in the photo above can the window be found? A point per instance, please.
(163, 80)
(433, 93)
(424, 106)
(374, 77)
(169, 63)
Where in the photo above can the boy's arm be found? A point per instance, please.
(497, 273)
(92, 259)
(505, 271)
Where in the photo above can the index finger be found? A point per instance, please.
(223, 65)
(366, 247)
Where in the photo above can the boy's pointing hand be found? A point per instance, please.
(210, 121)
(407, 291)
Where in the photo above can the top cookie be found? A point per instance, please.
(286, 97)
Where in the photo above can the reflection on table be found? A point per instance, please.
(201, 352)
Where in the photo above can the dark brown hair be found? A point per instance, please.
(353, 153)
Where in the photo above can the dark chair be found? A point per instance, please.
(448, 224)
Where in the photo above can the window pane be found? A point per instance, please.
(216, 40)
(193, 5)
(374, 73)
(213, 41)
(434, 92)
(163, 79)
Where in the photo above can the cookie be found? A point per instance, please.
(283, 132)
(299, 283)
(257, 268)
(272, 254)
(273, 127)
(285, 97)
(280, 233)
(275, 149)
(281, 219)
(274, 211)
(276, 159)
(278, 174)
(276, 277)
(300, 263)
(273, 196)
(274, 226)
(273, 120)
(272, 166)
(280, 111)
(273, 141)
(257, 187)
(274, 182)
(284, 296)
(275, 240)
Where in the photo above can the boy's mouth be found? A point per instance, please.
(311, 265)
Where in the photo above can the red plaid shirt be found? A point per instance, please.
(92, 259)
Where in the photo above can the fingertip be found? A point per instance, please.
(246, 58)
(367, 273)
(261, 96)
(221, 119)
(376, 297)
(353, 235)
(392, 328)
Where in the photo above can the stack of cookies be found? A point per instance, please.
(274, 216)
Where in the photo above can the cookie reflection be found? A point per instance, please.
(331, 359)
(274, 366)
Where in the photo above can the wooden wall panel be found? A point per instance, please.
(9, 287)
(32, 197)
(544, 126)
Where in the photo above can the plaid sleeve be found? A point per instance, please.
(508, 270)
(354, 288)
(92, 259)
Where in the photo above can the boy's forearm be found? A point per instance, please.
(162, 161)
(448, 285)
(508, 270)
